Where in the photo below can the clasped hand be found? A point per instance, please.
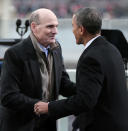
(41, 108)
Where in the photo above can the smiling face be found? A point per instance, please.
(46, 30)
(77, 31)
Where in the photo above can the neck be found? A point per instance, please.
(88, 37)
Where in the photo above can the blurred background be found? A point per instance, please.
(64, 8)
(115, 22)
(114, 12)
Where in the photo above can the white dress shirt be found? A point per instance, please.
(89, 42)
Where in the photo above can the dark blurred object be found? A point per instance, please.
(0, 66)
(18, 23)
(21, 30)
(9, 42)
(4, 45)
(117, 38)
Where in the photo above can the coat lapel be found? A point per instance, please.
(55, 56)
(94, 43)
(33, 63)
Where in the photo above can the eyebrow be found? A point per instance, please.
(52, 25)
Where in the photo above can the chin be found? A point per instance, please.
(79, 42)
(51, 42)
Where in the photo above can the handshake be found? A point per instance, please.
(41, 108)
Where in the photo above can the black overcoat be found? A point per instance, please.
(21, 86)
(101, 101)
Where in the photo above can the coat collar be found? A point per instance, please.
(94, 43)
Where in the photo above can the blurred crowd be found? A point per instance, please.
(65, 8)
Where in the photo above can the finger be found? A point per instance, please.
(36, 106)
(37, 113)
(36, 109)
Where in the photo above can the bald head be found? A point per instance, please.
(43, 24)
(41, 14)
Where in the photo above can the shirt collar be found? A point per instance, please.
(44, 49)
(89, 42)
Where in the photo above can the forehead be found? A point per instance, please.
(74, 19)
(48, 19)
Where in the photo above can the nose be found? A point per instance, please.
(55, 30)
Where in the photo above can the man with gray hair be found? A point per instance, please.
(101, 99)
(33, 71)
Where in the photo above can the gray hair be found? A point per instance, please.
(34, 18)
(89, 18)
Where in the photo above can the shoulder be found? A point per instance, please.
(21, 45)
(20, 49)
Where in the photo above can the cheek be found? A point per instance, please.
(41, 33)
(74, 32)
(37, 32)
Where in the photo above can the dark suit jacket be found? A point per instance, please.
(101, 91)
(21, 86)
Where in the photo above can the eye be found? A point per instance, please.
(50, 26)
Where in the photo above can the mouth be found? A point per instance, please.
(52, 37)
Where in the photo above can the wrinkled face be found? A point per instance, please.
(77, 31)
(46, 30)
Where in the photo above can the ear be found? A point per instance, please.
(82, 30)
(33, 26)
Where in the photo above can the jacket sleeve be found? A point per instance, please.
(11, 90)
(89, 84)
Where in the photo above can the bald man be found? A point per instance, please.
(33, 71)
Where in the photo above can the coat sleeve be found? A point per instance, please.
(89, 85)
(11, 90)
